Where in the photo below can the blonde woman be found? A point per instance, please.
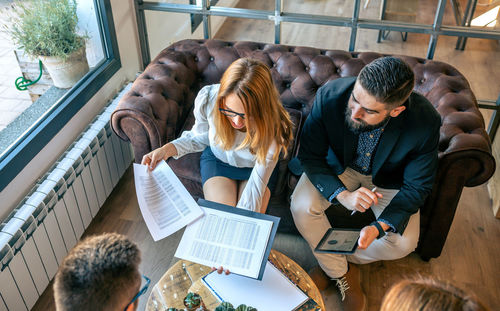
(426, 294)
(242, 128)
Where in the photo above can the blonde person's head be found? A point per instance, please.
(425, 294)
(265, 118)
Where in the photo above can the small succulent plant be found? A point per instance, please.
(245, 308)
(193, 302)
(227, 306)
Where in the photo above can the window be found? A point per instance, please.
(56, 106)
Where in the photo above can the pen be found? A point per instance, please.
(373, 190)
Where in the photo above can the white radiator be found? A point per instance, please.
(53, 216)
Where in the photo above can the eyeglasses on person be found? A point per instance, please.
(231, 113)
(141, 292)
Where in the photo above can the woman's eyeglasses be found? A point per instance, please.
(231, 113)
(141, 292)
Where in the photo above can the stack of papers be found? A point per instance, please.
(165, 203)
(218, 235)
(224, 237)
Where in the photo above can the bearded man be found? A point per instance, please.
(370, 143)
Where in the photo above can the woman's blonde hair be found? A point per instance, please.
(425, 294)
(265, 118)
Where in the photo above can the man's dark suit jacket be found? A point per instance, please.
(405, 158)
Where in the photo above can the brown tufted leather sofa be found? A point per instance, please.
(159, 107)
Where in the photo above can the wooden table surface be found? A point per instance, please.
(185, 276)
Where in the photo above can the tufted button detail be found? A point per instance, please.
(307, 68)
(287, 85)
(196, 59)
(339, 71)
(422, 80)
(211, 58)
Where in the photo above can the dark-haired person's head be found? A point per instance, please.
(100, 273)
(381, 89)
(426, 294)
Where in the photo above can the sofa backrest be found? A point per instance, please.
(298, 72)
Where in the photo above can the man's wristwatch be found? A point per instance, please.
(381, 231)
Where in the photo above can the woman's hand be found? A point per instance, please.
(220, 270)
(155, 156)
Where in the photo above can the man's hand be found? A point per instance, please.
(369, 234)
(366, 237)
(359, 200)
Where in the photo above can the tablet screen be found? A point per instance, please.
(339, 240)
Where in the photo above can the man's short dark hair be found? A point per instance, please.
(100, 273)
(389, 79)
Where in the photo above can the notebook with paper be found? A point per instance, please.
(274, 292)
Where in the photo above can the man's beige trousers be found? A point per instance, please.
(308, 209)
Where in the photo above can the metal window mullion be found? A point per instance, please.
(278, 11)
(464, 21)
(436, 26)
(382, 16)
(469, 13)
(354, 25)
(316, 19)
(207, 30)
(172, 7)
(143, 32)
(495, 117)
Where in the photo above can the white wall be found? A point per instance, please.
(126, 31)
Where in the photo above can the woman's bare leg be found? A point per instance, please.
(221, 190)
(265, 199)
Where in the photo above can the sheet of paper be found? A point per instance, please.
(236, 242)
(275, 291)
(165, 203)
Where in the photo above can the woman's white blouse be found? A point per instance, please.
(203, 134)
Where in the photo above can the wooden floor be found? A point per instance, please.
(470, 256)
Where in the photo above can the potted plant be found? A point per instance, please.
(193, 302)
(47, 29)
(227, 306)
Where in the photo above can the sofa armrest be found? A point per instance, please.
(153, 111)
(465, 158)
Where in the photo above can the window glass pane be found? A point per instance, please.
(20, 110)
(392, 42)
(242, 29)
(340, 8)
(318, 36)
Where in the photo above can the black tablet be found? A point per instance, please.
(341, 241)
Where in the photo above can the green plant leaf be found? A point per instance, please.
(45, 27)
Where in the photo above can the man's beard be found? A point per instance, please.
(362, 126)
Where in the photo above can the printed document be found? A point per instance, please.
(275, 292)
(165, 203)
(219, 238)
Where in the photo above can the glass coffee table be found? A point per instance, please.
(185, 276)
